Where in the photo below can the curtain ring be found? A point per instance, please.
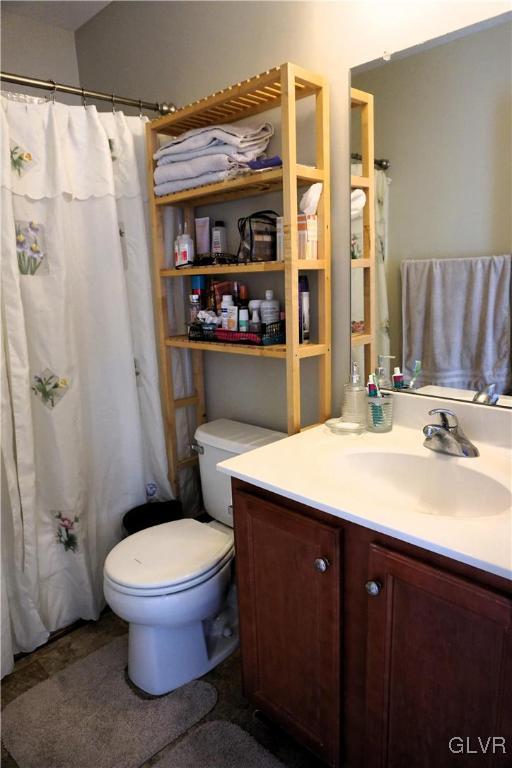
(84, 101)
(51, 97)
(113, 100)
(140, 108)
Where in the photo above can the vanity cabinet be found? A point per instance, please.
(381, 656)
(288, 571)
(439, 668)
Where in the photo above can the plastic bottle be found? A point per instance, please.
(398, 378)
(303, 310)
(227, 301)
(219, 239)
(269, 309)
(194, 307)
(255, 324)
(177, 239)
(199, 289)
(243, 320)
(354, 399)
(186, 247)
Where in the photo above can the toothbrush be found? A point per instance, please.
(374, 392)
(415, 373)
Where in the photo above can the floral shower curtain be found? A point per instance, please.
(82, 433)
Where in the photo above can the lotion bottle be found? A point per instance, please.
(269, 309)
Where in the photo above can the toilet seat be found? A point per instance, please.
(168, 558)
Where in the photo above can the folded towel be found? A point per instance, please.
(207, 178)
(249, 153)
(265, 162)
(241, 136)
(198, 166)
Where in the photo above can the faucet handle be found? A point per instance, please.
(448, 418)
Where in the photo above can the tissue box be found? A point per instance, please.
(307, 225)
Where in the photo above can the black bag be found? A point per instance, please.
(258, 237)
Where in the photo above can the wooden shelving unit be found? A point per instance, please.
(364, 101)
(279, 87)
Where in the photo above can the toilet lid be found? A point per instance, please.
(168, 554)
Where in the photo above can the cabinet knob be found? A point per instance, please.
(321, 564)
(373, 588)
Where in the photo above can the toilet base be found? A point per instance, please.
(197, 648)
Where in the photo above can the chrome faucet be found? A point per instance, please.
(487, 395)
(447, 437)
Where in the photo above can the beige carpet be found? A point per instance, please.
(218, 744)
(88, 716)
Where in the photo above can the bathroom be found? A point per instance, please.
(372, 595)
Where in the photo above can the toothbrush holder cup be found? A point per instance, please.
(380, 413)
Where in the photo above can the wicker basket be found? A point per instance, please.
(272, 333)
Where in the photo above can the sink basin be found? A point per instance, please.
(433, 484)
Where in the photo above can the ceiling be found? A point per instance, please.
(68, 15)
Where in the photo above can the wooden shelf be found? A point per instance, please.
(357, 182)
(360, 263)
(241, 269)
(273, 350)
(248, 185)
(280, 88)
(257, 94)
(361, 339)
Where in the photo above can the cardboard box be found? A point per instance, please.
(308, 236)
(307, 225)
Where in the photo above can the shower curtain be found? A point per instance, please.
(82, 434)
(382, 183)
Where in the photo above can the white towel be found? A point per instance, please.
(241, 136)
(198, 166)
(208, 178)
(357, 203)
(456, 319)
(249, 153)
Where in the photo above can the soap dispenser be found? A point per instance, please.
(383, 378)
(354, 399)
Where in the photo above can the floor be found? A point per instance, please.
(231, 704)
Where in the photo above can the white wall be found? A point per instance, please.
(38, 50)
(185, 50)
(443, 118)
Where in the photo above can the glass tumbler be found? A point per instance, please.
(380, 413)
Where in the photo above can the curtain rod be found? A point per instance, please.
(381, 164)
(51, 85)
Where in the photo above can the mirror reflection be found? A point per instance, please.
(442, 270)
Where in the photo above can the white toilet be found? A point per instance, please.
(173, 582)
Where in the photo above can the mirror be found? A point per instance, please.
(442, 271)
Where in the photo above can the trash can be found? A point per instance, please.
(154, 513)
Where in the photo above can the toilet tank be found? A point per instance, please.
(219, 440)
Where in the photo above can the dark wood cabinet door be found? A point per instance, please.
(290, 620)
(439, 669)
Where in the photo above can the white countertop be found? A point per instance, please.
(309, 468)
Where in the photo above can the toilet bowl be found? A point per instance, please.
(173, 582)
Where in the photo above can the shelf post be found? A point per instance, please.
(289, 152)
(161, 318)
(324, 231)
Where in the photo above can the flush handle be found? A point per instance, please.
(373, 588)
(321, 564)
